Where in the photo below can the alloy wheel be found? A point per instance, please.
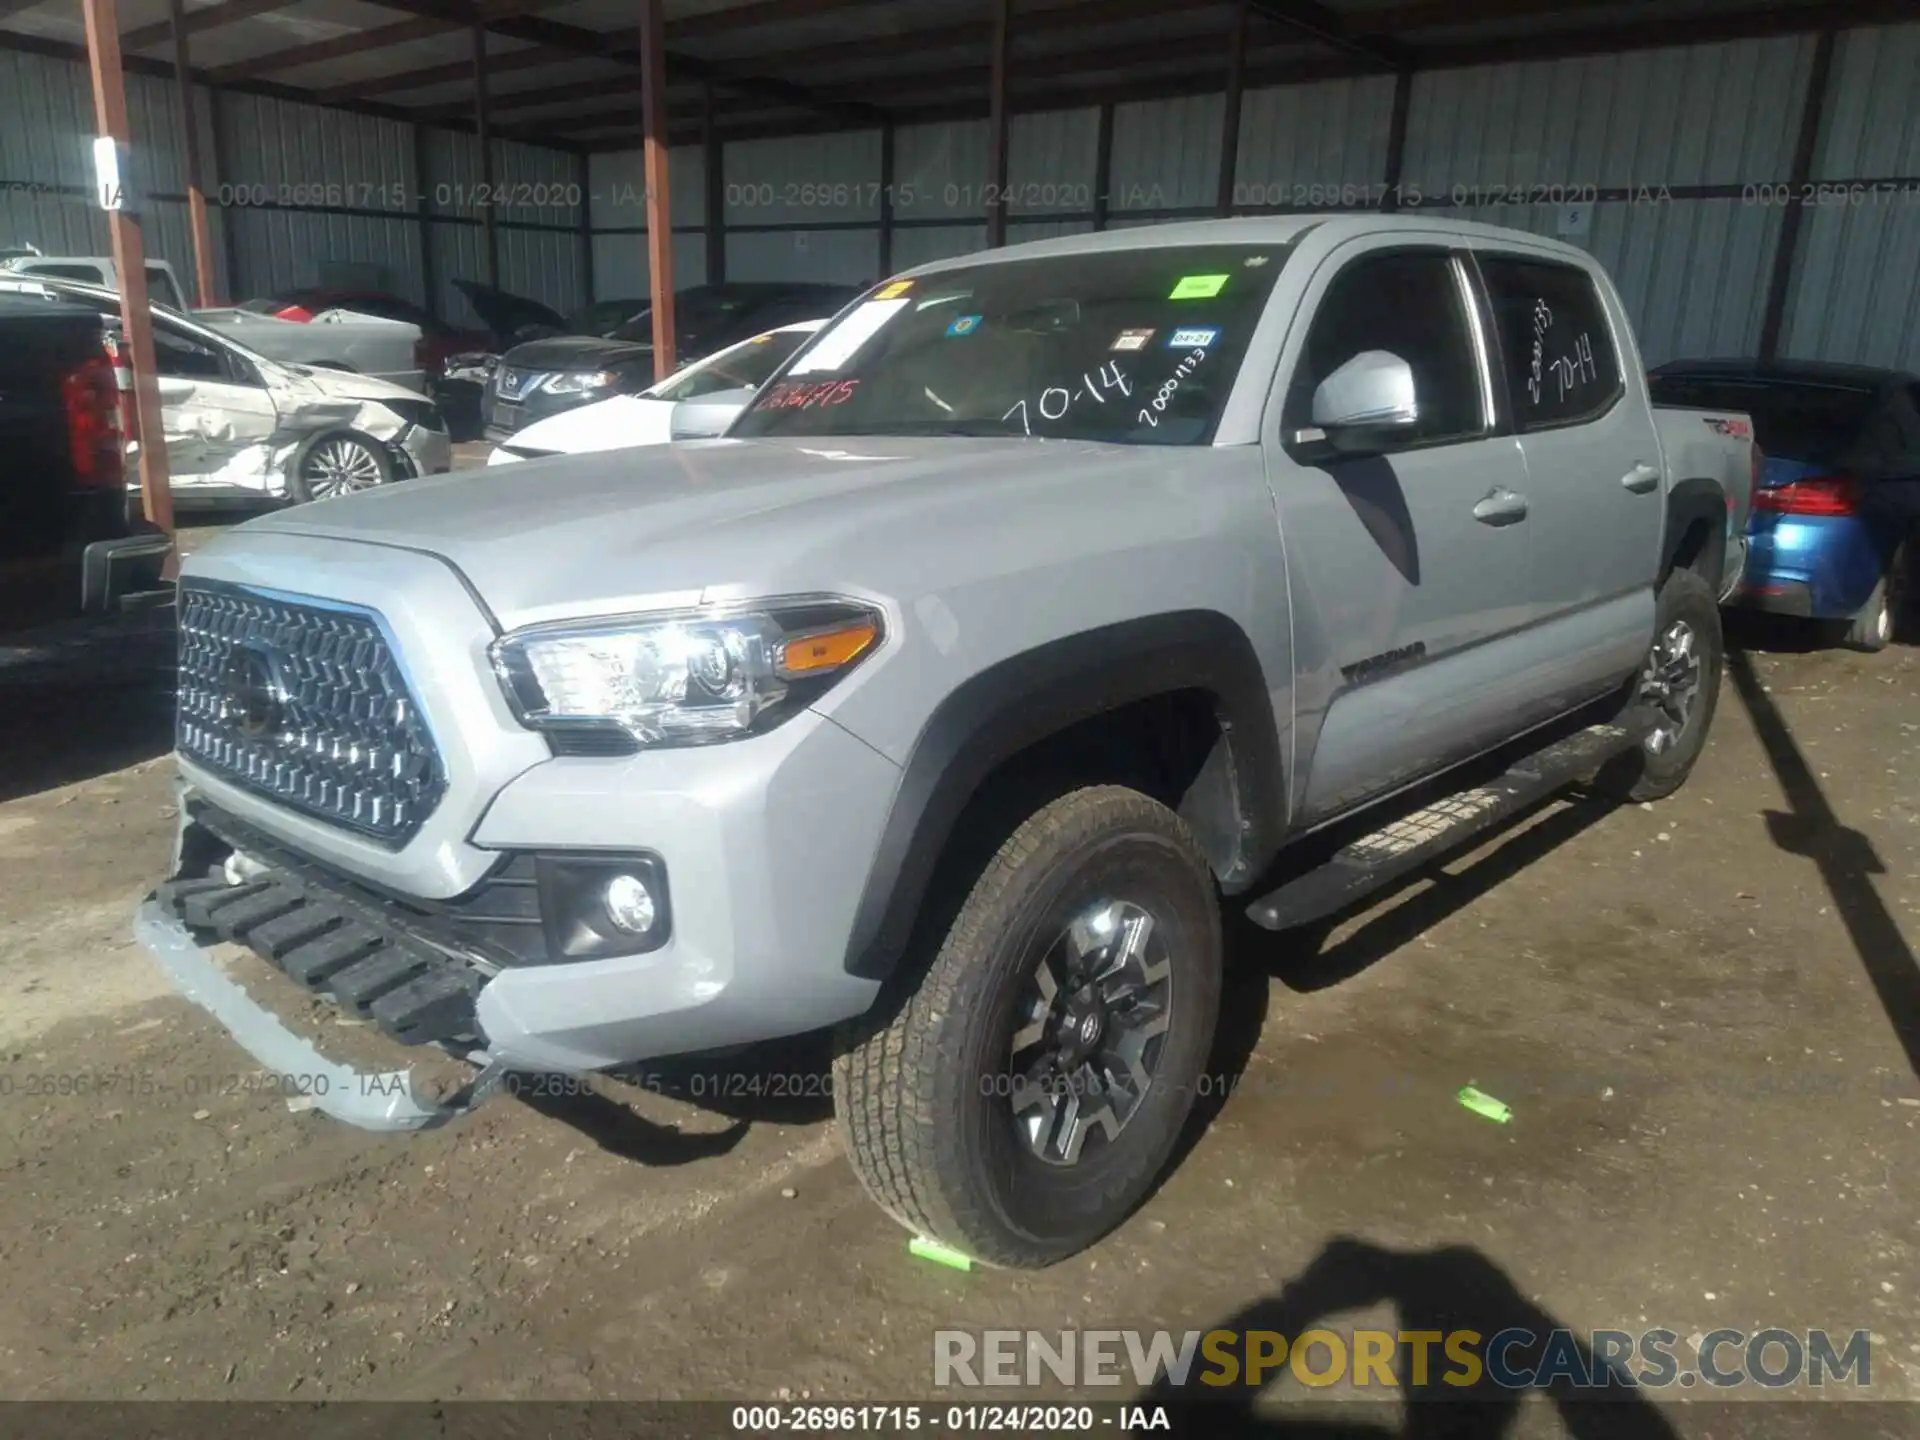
(1670, 685)
(340, 466)
(1089, 1025)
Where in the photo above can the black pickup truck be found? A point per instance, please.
(67, 541)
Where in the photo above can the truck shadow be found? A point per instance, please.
(786, 1082)
(84, 698)
(1845, 858)
(1441, 1292)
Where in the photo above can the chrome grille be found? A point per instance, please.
(304, 703)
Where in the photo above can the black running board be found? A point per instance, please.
(1398, 849)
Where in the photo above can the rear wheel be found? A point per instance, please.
(1679, 686)
(1022, 1098)
(1879, 620)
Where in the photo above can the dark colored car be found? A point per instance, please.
(1832, 531)
(66, 542)
(544, 376)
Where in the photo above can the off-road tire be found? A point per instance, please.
(927, 1134)
(1640, 774)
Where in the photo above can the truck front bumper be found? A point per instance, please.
(764, 850)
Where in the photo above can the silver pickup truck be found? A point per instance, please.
(1043, 603)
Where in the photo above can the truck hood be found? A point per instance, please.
(675, 525)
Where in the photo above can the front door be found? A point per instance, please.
(216, 414)
(1410, 571)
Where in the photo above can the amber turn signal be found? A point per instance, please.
(824, 650)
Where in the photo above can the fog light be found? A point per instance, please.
(630, 905)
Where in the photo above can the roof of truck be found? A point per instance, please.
(1257, 230)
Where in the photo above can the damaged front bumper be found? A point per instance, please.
(387, 1100)
(333, 940)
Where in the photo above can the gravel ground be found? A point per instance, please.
(1705, 1015)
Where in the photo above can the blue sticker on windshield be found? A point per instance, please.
(1193, 338)
(964, 325)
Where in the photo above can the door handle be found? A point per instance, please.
(1501, 507)
(1640, 479)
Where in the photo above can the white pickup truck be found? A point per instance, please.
(1045, 600)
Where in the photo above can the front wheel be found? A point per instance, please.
(344, 463)
(1023, 1097)
(1679, 688)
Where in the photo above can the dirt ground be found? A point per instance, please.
(1705, 1015)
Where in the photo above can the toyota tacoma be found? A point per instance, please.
(1044, 602)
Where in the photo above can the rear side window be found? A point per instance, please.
(1407, 303)
(1558, 349)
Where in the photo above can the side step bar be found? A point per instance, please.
(1398, 849)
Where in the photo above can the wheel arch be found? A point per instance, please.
(1696, 530)
(1238, 798)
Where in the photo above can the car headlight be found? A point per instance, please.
(686, 678)
(578, 382)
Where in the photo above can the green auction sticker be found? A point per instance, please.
(1198, 287)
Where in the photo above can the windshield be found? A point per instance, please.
(745, 366)
(606, 316)
(1137, 347)
(696, 311)
(1794, 420)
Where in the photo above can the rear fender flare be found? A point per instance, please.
(1690, 502)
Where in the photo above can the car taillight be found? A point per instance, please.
(1816, 495)
(91, 395)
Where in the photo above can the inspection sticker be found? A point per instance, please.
(1132, 340)
(1198, 338)
(964, 325)
(1199, 287)
(893, 291)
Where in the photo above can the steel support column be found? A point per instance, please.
(204, 287)
(653, 117)
(130, 261)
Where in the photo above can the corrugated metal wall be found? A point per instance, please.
(46, 168)
(317, 194)
(1856, 296)
(1573, 133)
(309, 195)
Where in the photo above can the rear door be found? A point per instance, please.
(1406, 604)
(1594, 476)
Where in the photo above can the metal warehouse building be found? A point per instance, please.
(1749, 172)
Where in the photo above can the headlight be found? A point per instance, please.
(685, 678)
(577, 383)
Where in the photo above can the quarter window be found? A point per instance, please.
(1558, 349)
(1409, 304)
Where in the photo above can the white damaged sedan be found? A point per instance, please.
(241, 427)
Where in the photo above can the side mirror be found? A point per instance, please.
(1365, 404)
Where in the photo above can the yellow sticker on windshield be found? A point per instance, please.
(1198, 287)
(896, 290)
